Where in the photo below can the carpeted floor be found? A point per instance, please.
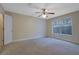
(42, 46)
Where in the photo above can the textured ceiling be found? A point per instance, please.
(31, 8)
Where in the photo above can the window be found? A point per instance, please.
(63, 26)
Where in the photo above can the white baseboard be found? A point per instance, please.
(20, 39)
(26, 39)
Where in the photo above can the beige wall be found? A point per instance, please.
(75, 28)
(27, 27)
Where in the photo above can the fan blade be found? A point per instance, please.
(37, 12)
(50, 13)
(39, 15)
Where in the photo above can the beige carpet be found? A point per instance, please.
(42, 46)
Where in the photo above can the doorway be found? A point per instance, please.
(7, 29)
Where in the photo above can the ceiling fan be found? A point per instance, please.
(44, 13)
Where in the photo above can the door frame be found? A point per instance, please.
(2, 40)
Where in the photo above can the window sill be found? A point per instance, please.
(62, 34)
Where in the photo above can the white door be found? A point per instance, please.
(7, 29)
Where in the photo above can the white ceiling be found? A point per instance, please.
(31, 8)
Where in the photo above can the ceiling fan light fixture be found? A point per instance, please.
(44, 16)
(46, 10)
